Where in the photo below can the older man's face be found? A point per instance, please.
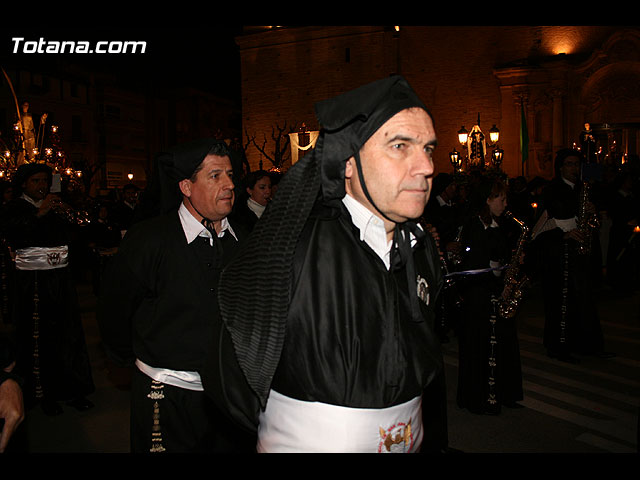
(397, 165)
(212, 191)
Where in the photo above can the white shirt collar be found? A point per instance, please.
(493, 223)
(255, 207)
(371, 227)
(27, 198)
(442, 202)
(193, 228)
(571, 184)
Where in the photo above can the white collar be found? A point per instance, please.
(27, 198)
(255, 207)
(493, 223)
(571, 184)
(193, 228)
(371, 227)
(443, 202)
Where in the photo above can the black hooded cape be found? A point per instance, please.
(304, 286)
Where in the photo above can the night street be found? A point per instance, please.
(587, 408)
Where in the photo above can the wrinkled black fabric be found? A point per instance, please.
(351, 339)
(155, 278)
(255, 312)
(65, 369)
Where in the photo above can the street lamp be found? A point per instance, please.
(463, 135)
(496, 157)
(494, 134)
(456, 161)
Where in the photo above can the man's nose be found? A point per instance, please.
(424, 164)
(228, 184)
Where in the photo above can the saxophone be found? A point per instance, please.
(514, 279)
(587, 222)
(454, 257)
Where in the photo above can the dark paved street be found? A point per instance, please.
(588, 408)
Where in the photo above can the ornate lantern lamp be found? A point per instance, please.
(463, 136)
(494, 134)
(456, 161)
(496, 157)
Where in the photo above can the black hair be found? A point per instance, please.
(219, 149)
(252, 178)
(562, 155)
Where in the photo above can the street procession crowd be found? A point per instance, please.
(305, 311)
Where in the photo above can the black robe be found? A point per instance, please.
(64, 367)
(578, 330)
(481, 388)
(243, 215)
(159, 304)
(153, 279)
(622, 255)
(350, 339)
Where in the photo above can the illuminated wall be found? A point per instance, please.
(562, 75)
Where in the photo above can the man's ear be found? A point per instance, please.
(348, 169)
(185, 187)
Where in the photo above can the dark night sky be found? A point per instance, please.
(206, 58)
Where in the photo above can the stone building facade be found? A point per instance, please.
(562, 76)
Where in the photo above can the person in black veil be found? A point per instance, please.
(52, 355)
(158, 304)
(328, 309)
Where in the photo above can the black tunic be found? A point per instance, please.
(154, 279)
(480, 339)
(159, 305)
(350, 339)
(578, 330)
(243, 215)
(65, 370)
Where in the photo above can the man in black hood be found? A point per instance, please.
(158, 307)
(329, 344)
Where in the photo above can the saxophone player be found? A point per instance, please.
(489, 374)
(572, 325)
(52, 355)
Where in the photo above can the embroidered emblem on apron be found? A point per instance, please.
(53, 259)
(396, 439)
(423, 289)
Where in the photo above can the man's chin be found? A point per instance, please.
(412, 215)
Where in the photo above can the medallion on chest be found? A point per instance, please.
(422, 289)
